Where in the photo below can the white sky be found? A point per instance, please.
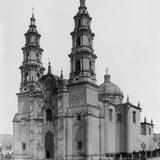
(127, 41)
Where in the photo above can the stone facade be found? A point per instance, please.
(74, 118)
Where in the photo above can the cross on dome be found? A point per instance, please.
(107, 76)
(61, 73)
(107, 70)
(49, 67)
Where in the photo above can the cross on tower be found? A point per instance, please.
(33, 11)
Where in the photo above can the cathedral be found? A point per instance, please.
(73, 119)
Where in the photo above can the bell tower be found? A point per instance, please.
(82, 57)
(27, 122)
(31, 68)
(84, 111)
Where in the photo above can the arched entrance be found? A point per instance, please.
(49, 145)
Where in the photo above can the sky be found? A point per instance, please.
(127, 41)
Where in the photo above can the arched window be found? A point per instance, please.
(32, 39)
(79, 22)
(149, 131)
(134, 117)
(37, 55)
(37, 41)
(110, 115)
(38, 75)
(78, 117)
(90, 66)
(27, 56)
(78, 41)
(79, 146)
(26, 77)
(23, 146)
(27, 40)
(49, 115)
(78, 66)
(119, 117)
(89, 42)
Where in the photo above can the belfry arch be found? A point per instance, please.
(49, 145)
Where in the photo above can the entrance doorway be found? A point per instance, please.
(49, 145)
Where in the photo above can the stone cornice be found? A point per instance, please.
(146, 123)
(84, 83)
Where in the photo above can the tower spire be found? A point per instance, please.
(82, 48)
(82, 3)
(83, 8)
(61, 73)
(49, 67)
(32, 20)
(127, 98)
(33, 12)
(32, 52)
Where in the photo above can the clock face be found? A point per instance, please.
(76, 79)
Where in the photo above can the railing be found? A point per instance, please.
(142, 155)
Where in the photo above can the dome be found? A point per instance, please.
(109, 87)
(109, 91)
